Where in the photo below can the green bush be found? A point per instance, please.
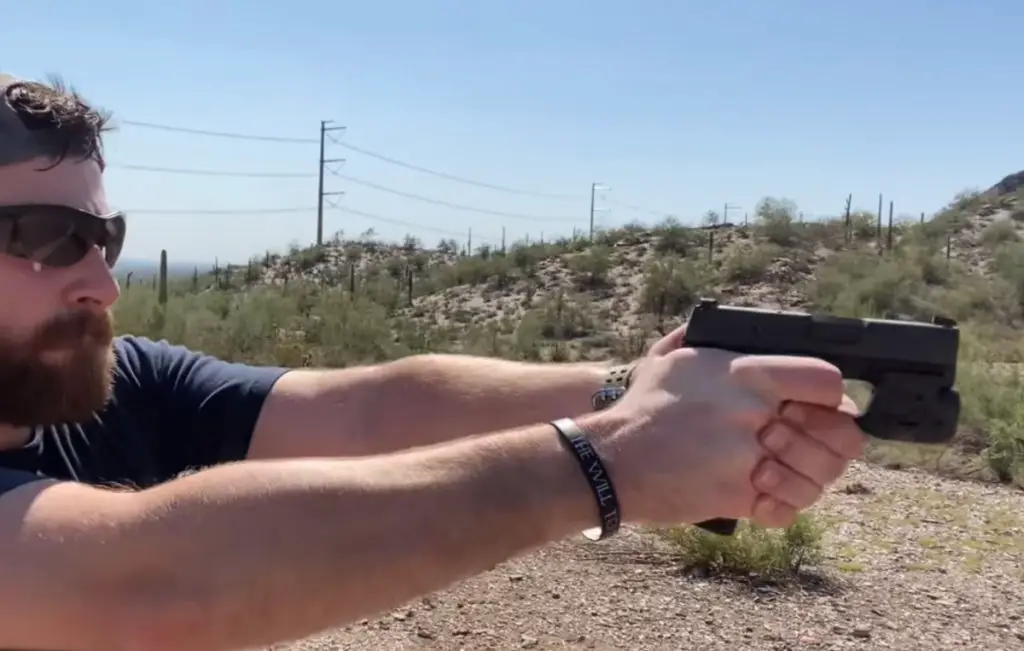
(765, 553)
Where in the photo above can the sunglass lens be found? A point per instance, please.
(114, 229)
(59, 238)
(44, 237)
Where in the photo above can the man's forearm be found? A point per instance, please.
(249, 554)
(432, 398)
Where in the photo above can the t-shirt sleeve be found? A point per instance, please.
(11, 479)
(209, 406)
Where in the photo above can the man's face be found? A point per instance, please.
(55, 324)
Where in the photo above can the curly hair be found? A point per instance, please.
(60, 121)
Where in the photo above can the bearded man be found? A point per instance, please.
(322, 496)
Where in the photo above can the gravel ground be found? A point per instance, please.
(915, 562)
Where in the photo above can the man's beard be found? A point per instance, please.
(62, 374)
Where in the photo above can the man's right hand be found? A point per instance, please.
(705, 434)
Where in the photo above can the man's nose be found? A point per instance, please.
(94, 284)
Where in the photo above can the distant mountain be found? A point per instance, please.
(141, 268)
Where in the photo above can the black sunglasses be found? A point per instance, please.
(59, 236)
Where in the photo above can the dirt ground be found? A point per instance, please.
(914, 562)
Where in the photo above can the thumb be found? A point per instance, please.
(669, 342)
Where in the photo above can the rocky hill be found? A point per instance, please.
(595, 297)
(1010, 184)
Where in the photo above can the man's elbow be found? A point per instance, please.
(80, 575)
(168, 597)
(154, 620)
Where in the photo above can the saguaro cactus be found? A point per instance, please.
(162, 287)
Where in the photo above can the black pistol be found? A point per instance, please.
(911, 365)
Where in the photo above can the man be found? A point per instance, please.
(322, 496)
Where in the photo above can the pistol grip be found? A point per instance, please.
(719, 526)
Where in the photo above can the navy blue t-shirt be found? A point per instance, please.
(171, 410)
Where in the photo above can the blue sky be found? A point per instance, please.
(678, 106)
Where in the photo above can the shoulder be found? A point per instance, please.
(178, 369)
(138, 357)
(208, 408)
(141, 353)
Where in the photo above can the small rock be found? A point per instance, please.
(401, 616)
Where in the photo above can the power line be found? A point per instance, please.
(448, 204)
(321, 193)
(203, 172)
(398, 222)
(372, 154)
(639, 209)
(365, 152)
(351, 147)
(452, 177)
(217, 134)
(227, 211)
(358, 181)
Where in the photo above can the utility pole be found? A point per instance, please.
(594, 187)
(725, 211)
(325, 126)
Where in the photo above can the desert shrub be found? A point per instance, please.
(673, 284)
(753, 551)
(748, 263)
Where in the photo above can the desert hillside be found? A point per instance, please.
(948, 522)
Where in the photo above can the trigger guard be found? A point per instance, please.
(898, 414)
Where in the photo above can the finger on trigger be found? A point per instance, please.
(850, 407)
(788, 378)
(834, 429)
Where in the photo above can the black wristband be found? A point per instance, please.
(597, 476)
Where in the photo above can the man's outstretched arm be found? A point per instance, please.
(214, 411)
(419, 400)
(247, 554)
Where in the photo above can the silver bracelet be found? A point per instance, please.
(616, 383)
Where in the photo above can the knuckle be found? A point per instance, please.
(830, 430)
(768, 476)
(779, 438)
(796, 412)
(844, 437)
(770, 512)
(786, 485)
